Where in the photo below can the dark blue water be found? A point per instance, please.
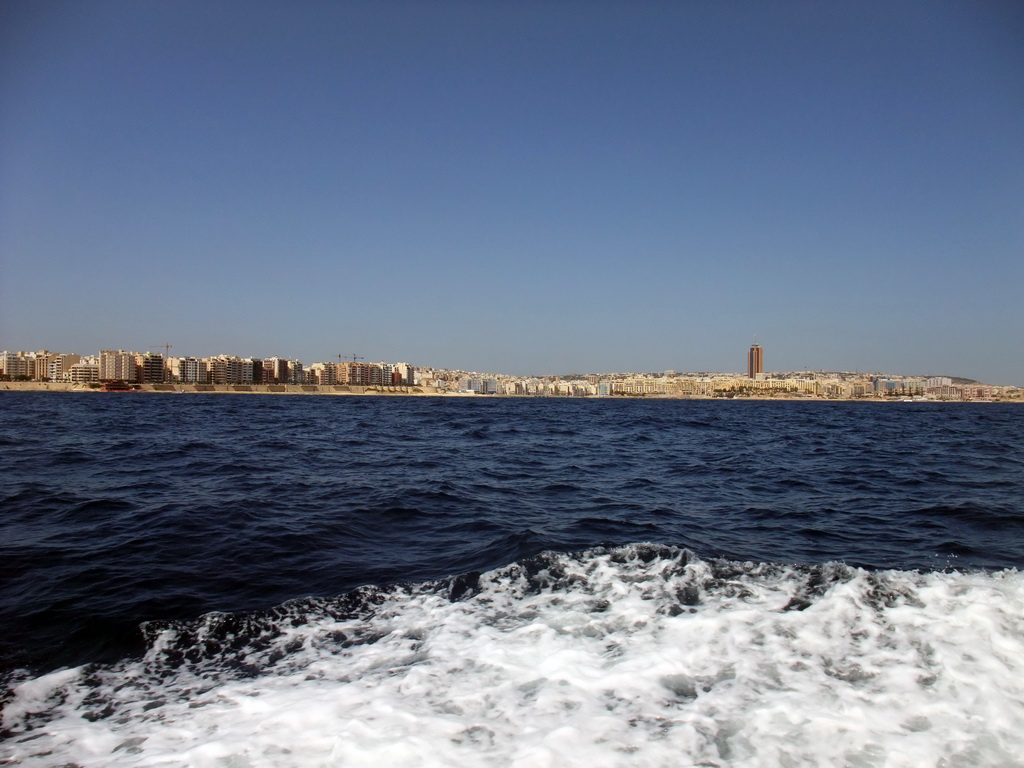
(119, 509)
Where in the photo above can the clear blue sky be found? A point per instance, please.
(519, 187)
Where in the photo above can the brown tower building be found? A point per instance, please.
(755, 361)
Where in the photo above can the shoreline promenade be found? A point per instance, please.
(228, 389)
(429, 391)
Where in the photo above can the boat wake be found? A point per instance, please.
(639, 655)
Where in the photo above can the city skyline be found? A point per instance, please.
(120, 371)
(521, 188)
(115, 364)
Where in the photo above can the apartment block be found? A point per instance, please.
(14, 364)
(192, 370)
(83, 373)
(117, 365)
(152, 368)
(323, 373)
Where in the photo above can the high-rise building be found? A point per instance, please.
(359, 373)
(407, 374)
(152, 366)
(117, 365)
(192, 370)
(14, 364)
(218, 369)
(323, 373)
(60, 365)
(275, 370)
(252, 370)
(755, 361)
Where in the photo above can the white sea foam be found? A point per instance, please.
(636, 656)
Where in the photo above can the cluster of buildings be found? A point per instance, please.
(797, 384)
(156, 368)
(756, 384)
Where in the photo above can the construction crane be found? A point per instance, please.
(353, 357)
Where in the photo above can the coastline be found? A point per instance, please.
(415, 391)
(227, 389)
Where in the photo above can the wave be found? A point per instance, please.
(634, 655)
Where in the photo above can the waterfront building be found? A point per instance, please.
(13, 364)
(38, 364)
(946, 392)
(323, 373)
(235, 370)
(34, 363)
(83, 373)
(275, 371)
(59, 365)
(118, 365)
(755, 361)
(218, 369)
(914, 386)
(252, 370)
(407, 374)
(152, 367)
(192, 370)
(977, 391)
(358, 373)
(478, 385)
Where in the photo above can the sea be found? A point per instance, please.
(232, 581)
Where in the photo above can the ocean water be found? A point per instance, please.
(218, 580)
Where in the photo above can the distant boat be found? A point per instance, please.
(117, 386)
